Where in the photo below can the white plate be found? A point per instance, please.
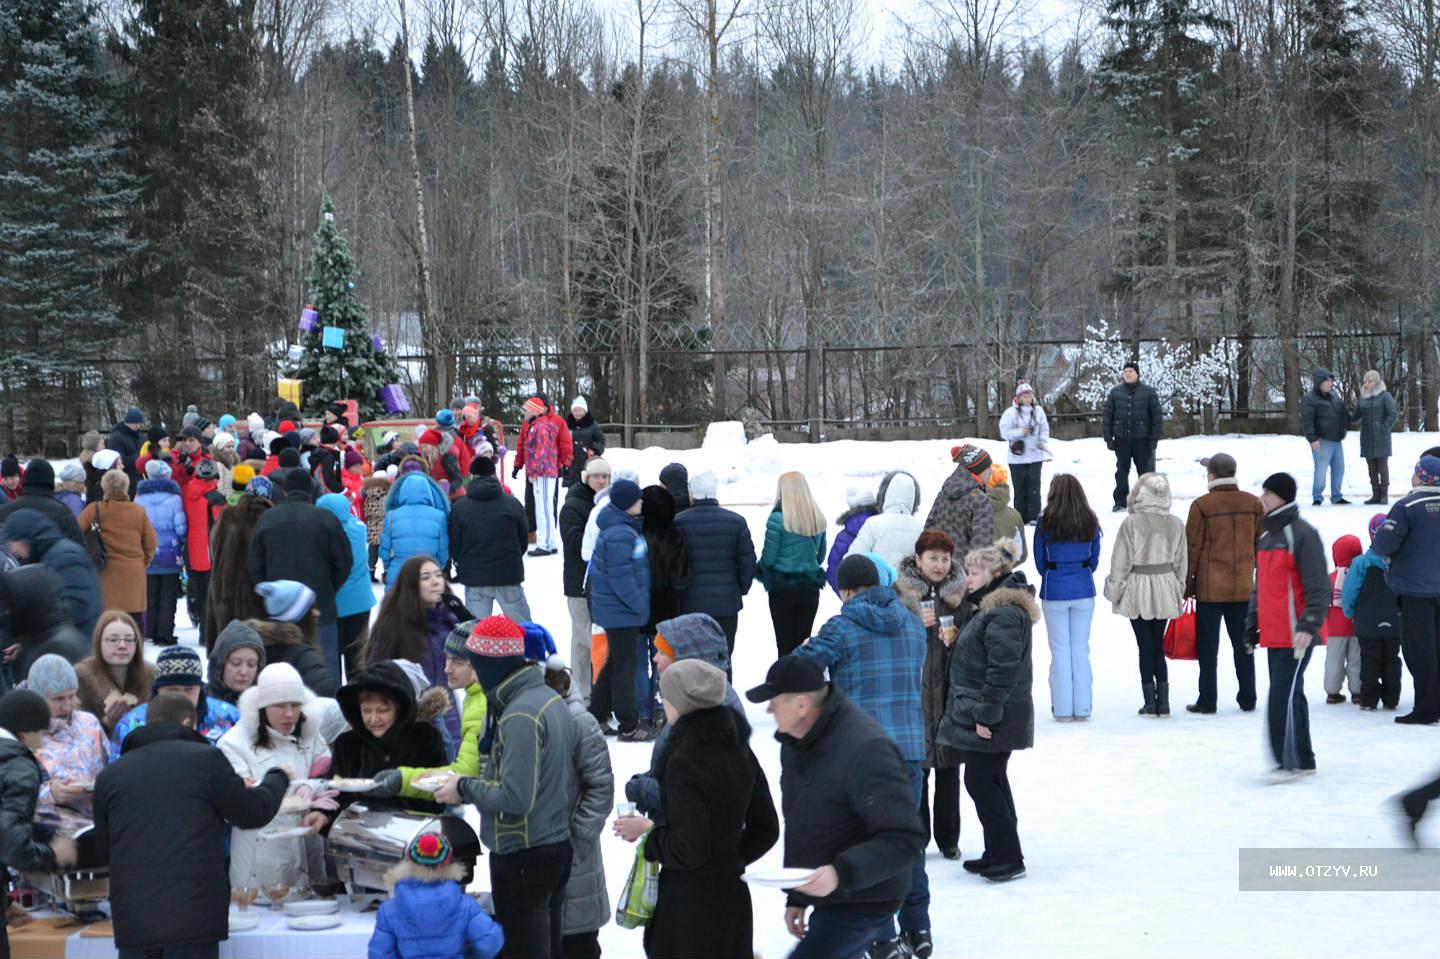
(428, 784)
(352, 785)
(295, 804)
(243, 921)
(784, 878)
(312, 923)
(312, 907)
(293, 833)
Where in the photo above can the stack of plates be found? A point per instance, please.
(783, 878)
(312, 907)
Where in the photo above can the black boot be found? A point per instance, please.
(1149, 708)
(1374, 495)
(1384, 493)
(1162, 699)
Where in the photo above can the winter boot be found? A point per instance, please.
(1384, 493)
(1374, 495)
(1149, 708)
(1162, 699)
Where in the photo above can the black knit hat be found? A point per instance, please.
(856, 572)
(39, 474)
(1282, 485)
(24, 711)
(1132, 365)
(329, 436)
(10, 466)
(298, 481)
(289, 458)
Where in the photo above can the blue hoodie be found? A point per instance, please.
(354, 595)
(619, 572)
(432, 918)
(417, 523)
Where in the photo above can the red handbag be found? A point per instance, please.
(1180, 634)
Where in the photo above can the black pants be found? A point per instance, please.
(942, 819)
(1139, 452)
(1420, 639)
(1379, 471)
(614, 688)
(1025, 477)
(729, 624)
(581, 945)
(1288, 712)
(353, 631)
(373, 555)
(183, 950)
(792, 611)
(988, 783)
(1208, 617)
(162, 592)
(199, 587)
(528, 889)
(1379, 672)
(1150, 637)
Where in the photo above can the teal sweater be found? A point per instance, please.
(790, 561)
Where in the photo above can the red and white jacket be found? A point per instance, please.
(1292, 582)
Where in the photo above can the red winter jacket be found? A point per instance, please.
(545, 447)
(203, 502)
(1345, 551)
(1292, 582)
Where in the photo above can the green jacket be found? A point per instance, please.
(467, 760)
(789, 560)
(1008, 524)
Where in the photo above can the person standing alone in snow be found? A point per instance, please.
(1132, 428)
(1024, 427)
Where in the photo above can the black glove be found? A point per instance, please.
(387, 784)
(1110, 445)
(515, 472)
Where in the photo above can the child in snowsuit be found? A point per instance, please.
(429, 914)
(1368, 600)
(1342, 649)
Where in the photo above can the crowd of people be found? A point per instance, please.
(277, 535)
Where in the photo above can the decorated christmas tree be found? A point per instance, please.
(341, 359)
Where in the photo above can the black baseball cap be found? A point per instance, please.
(789, 674)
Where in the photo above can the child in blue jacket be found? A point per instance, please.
(1377, 625)
(428, 914)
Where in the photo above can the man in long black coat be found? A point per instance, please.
(1133, 425)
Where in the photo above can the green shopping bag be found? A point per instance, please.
(637, 897)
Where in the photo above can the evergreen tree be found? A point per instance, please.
(357, 370)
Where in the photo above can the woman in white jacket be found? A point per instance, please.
(891, 533)
(279, 727)
(1026, 431)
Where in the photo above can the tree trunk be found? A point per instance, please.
(1289, 318)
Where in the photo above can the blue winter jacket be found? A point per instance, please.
(432, 918)
(1409, 540)
(1067, 570)
(417, 523)
(1355, 579)
(722, 559)
(354, 595)
(850, 524)
(162, 502)
(875, 649)
(619, 572)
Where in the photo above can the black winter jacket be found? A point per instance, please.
(43, 501)
(33, 613)
(71, 564)
(587, 440)
(19, 789)
(298, 540)
(573, 515)
(847, 803)
(126, 442)
(669, 562)
(410, 742)
(170, 790)
(1132, 412)
(488, 535)
(1323, 416)
(990, 675)
(722, 559)
(285, 643)
(676, 478)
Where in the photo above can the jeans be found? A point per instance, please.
(1379, 672)
(1150, 638)
(547, 534)
(1067, 626)
(1288, 713)
(792, 611)
(328, 636)
(162, 592)
(1420, 632)
(914, 914)
(528, 889)
(614, 688)
(1342, 663)
(988, 782)
(1208, 617)
(944, 816)
(839, 932)
(1139, 452)
(1025, 477)
(647, 679)
(579, 608)
(481, 601)
(1330, 455)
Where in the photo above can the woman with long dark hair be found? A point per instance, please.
(415, 619)
(1067, 553)
(669, 574)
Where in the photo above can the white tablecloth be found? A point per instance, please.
(272, 939)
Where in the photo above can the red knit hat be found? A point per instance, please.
(285, 427)
(429, 438)
(496, 636)
(534, 406)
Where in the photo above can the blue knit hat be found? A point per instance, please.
(1427, 471)
(444, 419)
(178, 666)
(624, 494)
(286, 601)
(260, 486)
(226, 421)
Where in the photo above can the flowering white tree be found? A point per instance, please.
(1175, 371)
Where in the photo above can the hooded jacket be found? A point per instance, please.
(591, 796)
(36, 615)
(19, 789)
(963, 512)
(722, 559)
(296, 540)
(1345, 551)
(948, 595)
(861, 507)
(991, 673)
(1377, 415)
(1220, 534)
(417, 517)
(544, 448)
(1409, 540)
(411, 741)
(166, 512)
(274, 861)
(1009, 525)
(1150, 558)
(620, 572)
(43, 501)
(893, 532)
(428, 915)
(1323, 416)
(1292, 583)
(354, 595)
(203, 503)
(236, 635)
(875, 651)
(1368, 600)
(488, 535)
(70, 563)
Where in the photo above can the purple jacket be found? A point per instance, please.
(850, 523)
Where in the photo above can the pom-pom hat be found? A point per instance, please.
(496, 637)
(429, 849)
(286, 601)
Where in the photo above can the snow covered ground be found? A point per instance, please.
(1130, 826)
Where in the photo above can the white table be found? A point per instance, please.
(272, 939)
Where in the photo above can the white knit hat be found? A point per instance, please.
(581, 403)
(256, 422)
(277, 683)
(104, 460)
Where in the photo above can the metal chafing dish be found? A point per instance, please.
(366, 843)
(80, 890)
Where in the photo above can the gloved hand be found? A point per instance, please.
(387, 784)
(515, 472)
(1110, 445)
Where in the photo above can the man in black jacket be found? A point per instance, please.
(298, 540)
(722, 557)
(172, 792)
(849, 813)
(488, 537)
(125, 440)
(37, 492)
(1325, 419)
(1132, 429)
(579, 503)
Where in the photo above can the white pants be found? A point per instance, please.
(547, 533)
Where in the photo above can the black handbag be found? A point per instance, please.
(94, 544)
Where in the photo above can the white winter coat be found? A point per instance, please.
(255, 861)
(1012, 427)
(891, 534)
(592, 525)
(1149, 561)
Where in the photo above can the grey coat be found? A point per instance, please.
(592, 790)
(1376, 414)
(963, 512)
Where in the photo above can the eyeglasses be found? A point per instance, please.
(119, 640)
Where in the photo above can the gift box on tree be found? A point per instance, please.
(308, 319)
(333, 338)
(289, 390)
(394, 398)
(377, 344)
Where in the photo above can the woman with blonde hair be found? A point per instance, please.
(129, 541)
(790, 566)
(1376, 414)
(115, 677)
